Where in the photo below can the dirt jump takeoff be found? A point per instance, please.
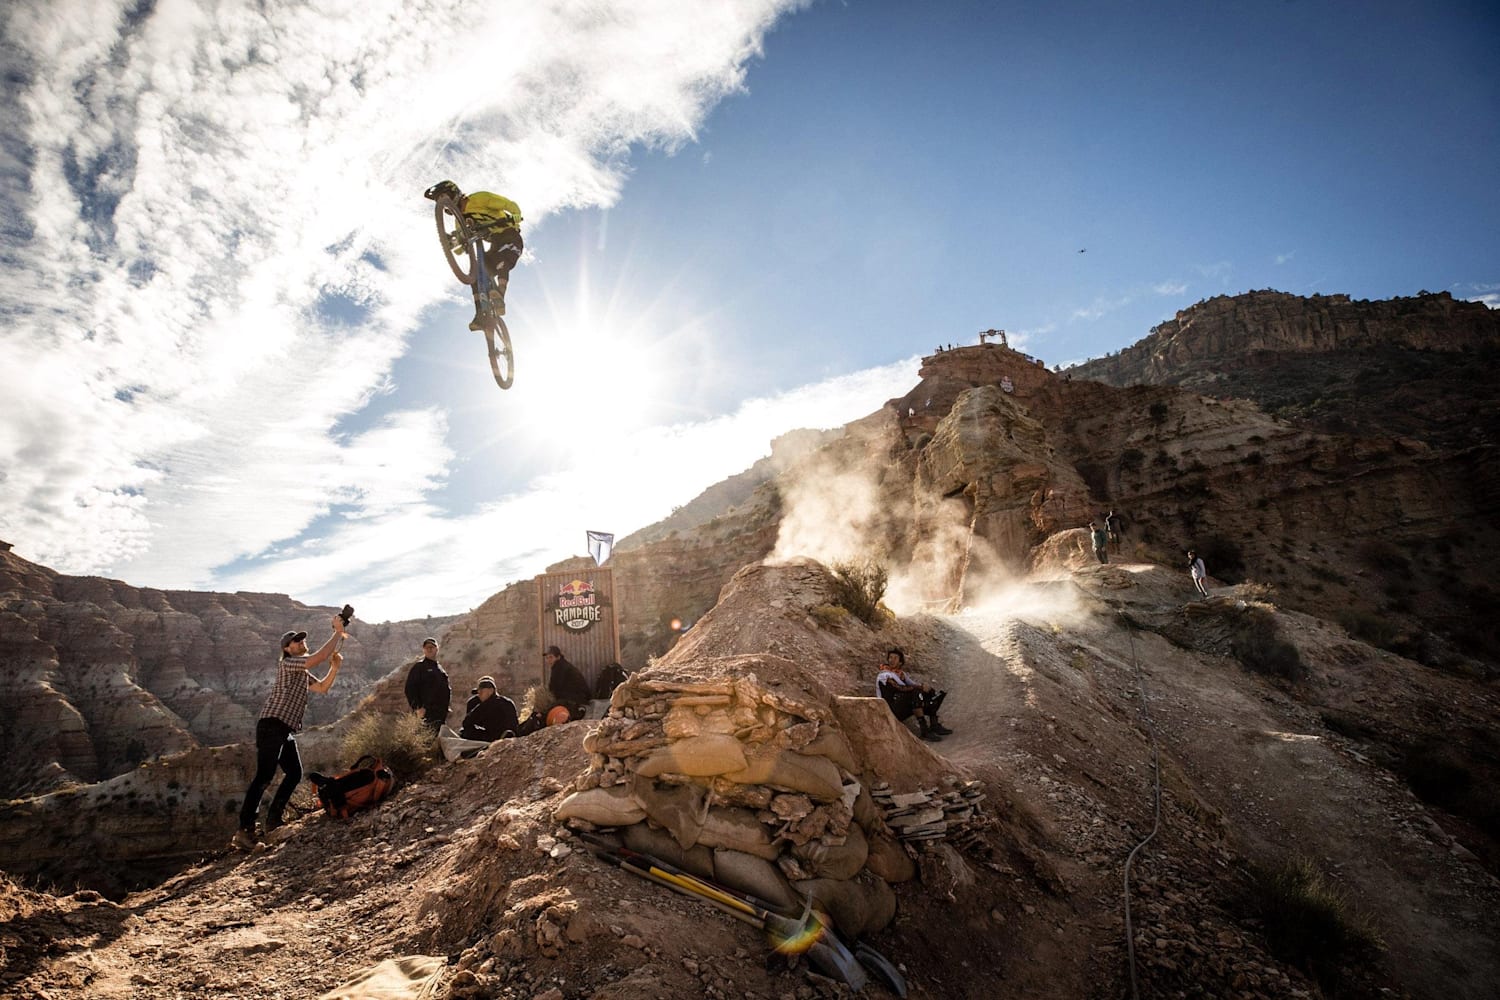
(480, 234)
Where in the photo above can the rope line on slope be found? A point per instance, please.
(1156, 804)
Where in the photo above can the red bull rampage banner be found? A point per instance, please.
(576, 606)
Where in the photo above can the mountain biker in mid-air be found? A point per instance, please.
(499, 221)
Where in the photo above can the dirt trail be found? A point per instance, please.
(1049, 698)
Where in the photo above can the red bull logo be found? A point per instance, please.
(577, 605)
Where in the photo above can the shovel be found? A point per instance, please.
(787, 934)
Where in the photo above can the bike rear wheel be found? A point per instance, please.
(502, 358)
(454, 235)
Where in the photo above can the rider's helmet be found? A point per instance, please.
(558, 715)
(444, 188)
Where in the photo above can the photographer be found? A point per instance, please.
(281, 718)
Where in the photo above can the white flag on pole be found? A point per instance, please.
(601, 543)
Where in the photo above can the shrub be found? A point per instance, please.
(1131, 459)
(1309, 922)
(829, 615)
(402, 741)
(858, 588)
(1375, 629)
(1158, 412)
(1256, 644)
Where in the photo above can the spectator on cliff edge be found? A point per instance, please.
(427, 689)
(280, 719)
(907, 697)
(1100, 539)
(1115, 525)
(1199, 572)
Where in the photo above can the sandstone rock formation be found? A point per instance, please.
(97, 676)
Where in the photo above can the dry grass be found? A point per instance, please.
(402, 741)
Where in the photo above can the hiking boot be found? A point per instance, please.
(940, 729)
(243, 840)
(277, 834)
(931, 737)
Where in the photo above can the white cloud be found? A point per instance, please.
(414, 559)
(1170, 288)
(1102, 307)
(1282, 258)
(1491, 299)
(1220, 269)
(185, 188)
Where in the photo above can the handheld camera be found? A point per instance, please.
(347, 614)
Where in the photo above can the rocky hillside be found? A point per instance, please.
(1405, 367)
(470, 879)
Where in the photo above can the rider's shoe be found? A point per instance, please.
(477, 323)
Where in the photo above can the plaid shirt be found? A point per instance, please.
(289, 697)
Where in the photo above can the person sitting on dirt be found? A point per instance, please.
(489, 716)
(498, 220)
(566, 685)
(908, 698)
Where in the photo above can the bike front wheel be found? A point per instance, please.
(454, 235)
(502, 358)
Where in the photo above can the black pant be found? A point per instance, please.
(274, 746)
(904, 703)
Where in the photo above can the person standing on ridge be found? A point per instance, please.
(1101, 542)
(1199, 572)
(280, 720)
(427, 689)
(498, 220)
(1116, 528)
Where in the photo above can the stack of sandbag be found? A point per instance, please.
(737, 770)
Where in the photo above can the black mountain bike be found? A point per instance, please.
(463, 248)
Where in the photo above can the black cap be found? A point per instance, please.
(292, 637)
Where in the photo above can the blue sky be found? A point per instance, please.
(234, 359)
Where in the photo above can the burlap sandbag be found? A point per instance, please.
(679, 809)
(817, 777)
(753, 875)
(698, 757)
(738, 830)
(856, 906)
(613, 806)
(660, 845)
(830, 743)
(413, 977)
(888, 859)
(841, 861)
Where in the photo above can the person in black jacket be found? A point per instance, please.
(566, 683)
(490, 716)
(427, 688)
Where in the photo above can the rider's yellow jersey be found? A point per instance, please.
(488, 208)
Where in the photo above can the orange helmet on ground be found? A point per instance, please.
(557, 715)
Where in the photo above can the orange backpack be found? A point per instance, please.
(357, 789)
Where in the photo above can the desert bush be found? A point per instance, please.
(1131, 459)
(829, 615)
(1309, 922)
(1375, 629)
(1256, 644)
(858, 588)
(402, 741)
(1157, 411)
